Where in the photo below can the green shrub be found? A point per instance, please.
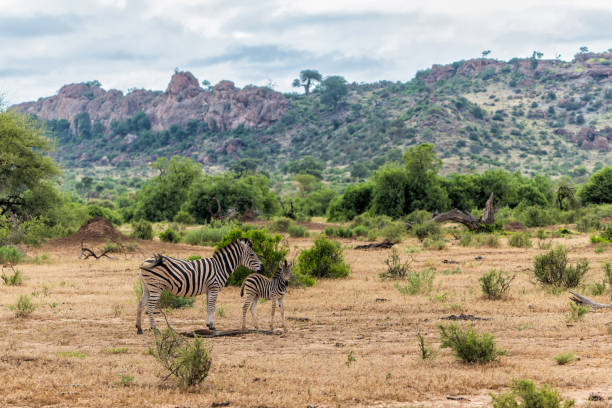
(297, 231)
(13, 279)
(339, 232)
(323, 260)
(468, 345)
(189, 363)
(207, 235)
(466, 239)
(280, 224)
(418, 217)
(426, 352)
(537, 217)
(169, 301)
(495, 284)
(597, 288)
(520, 240)
(268, 247)
(428, 229)
(607, 232)
(117, 350)
(486, 240)
(24, 306)
(531, 397)
(392, 232)
(607, 269)
(565, 358)
(588, 222)
(183, 217)
(418, 282)
(361, 231)
(193, 257)
(577, 312)
(10, 254)
(395, 268)
(552, 269)
(170, 235)
(142, 230)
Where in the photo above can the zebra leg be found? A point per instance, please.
(211, 299)
(281, 307)
(253, 306)
(152, 301)
(141, 303)
(272, 314)
(245, 307)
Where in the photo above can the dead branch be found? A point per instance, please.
(384, 244)
(221, 333)
(86, 252)
(465, 218)
(583, 300)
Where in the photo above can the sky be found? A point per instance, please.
(138, 44)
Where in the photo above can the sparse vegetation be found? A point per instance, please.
(426, 352)
(577, 312)
(395, 268)
(417, 282)
(552, 269)
(188, 362)
(520, 240)
(565, 358)
(469, 346)
(495, 284)
(24, 306)
(142, 230)
(13, 279)
(10, 255)
(525, 394)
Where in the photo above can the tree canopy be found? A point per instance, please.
(307, 78)
(333, 89)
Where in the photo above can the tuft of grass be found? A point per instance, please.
(193, 257)
(597, 288)
(577, 312)
(117, 350)
(495, 284)
(520, 240)
(24, 306)
(14, 279)
(220, 311)
(73, 354)
(531, 397)
(437, 244)
(10, 254)
(426, 352)
(564, 358)
(418, 282)
(125, 380)
(395, 268)
(350, 359)
(469, 346)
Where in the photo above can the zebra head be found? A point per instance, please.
(249, 258)
(284, 270)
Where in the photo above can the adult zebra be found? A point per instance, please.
(192, 278)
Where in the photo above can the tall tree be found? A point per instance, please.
(307, 78)
(26, 172)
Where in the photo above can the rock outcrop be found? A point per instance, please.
(224, 106)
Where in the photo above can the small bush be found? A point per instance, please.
(469, 346)
(552, 269)
(418, 282)
(208, 235)
(565, 358)
(280, 224)
(170, 235)
(361, 231)
(183, 217)
(395, 268)
(392, 232)
(169, 301)
(10, 254)
(531, 397)
(297, 231)
(607, 269)
(24, 306)
(597, 288)
(495, 284)
(465, 239)
(142, 230)
(428, 229)
(520, 240)
(339, 232)
(588, 223)
(426, 352)
(125, 380)
(577, 312)
(487, 240)
(607, 232)
(189, 363)
(13, 279)
(323, 260)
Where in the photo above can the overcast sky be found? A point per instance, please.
(137, 44)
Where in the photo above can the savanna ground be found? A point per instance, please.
(60, 355)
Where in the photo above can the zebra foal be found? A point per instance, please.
(192, 278)
(258, 286)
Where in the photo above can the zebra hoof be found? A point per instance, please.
(138, 330)
(211, 327)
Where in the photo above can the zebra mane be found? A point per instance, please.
(247, 241)
(159, 259)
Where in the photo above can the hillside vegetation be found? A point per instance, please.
(539, 116)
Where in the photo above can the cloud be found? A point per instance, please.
(138, 43)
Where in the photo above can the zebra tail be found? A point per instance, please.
(242, 288)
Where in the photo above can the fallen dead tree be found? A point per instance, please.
(583, 300)
(221, 333)
(384, 245)
(87, 253)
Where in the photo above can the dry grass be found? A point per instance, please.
(96, 307)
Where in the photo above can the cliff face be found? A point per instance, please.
(224, 106)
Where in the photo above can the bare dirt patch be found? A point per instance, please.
(59, 357)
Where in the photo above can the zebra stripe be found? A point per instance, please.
(258, 286)
(192, 278)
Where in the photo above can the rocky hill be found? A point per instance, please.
(537, 116)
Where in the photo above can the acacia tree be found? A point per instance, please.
(333, 89)
(26, 173)
(306, 79)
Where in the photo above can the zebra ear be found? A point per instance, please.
(247, 242)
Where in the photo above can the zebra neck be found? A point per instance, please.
(228, 259)
(279, 285)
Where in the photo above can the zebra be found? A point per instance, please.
(192, 278)
(258, 286)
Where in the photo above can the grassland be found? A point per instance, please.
(59, 356)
